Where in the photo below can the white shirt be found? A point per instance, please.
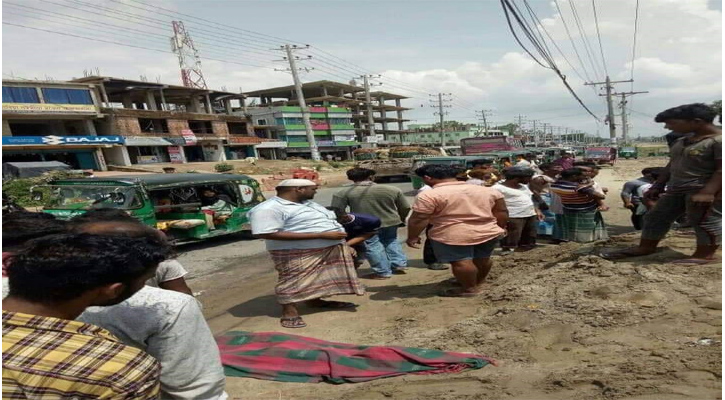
(280, 215)
(424, 188)
(170, 327)
(518, 201)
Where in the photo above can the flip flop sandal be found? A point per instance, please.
(292, 322)
(457, 293)
(693, 261)
(335, 304)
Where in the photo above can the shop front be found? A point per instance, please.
(241, 147)
(80, 152)
(148, 150)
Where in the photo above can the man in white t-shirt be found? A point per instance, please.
(523, 213)
(166, 324)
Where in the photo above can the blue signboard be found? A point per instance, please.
(60, 140)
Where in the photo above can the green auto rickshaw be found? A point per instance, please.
(465, 162)
(628, 152)
(187, 207)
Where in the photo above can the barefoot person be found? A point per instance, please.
(306, 244)
(467, 221)
(691, 182)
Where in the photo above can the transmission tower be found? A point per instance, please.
(189, 60)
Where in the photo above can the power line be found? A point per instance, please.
(599, 37)
(122, 44)
(582, 33)
(508, 8)
(553, 42)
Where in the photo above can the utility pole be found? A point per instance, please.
(482, 116)
(610, 106)
(291, 58)
(440, 104)
(623, 106)
(520, 119)
(368, 100)
(535, 133)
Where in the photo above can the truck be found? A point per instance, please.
(481, 145)
(601, 155)
(391, 163)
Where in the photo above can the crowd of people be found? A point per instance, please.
(98, 307)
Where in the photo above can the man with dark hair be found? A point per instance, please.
(388, 203)
(307, 248)
(631, 199)
(20, 227)
(166, 324)
(46, 354)
(522, 211)
(566, 160)
(466, 220)
(170, 273)
(690, 184)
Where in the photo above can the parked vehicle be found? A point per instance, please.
(503, 159)
(628, 152)
(462, 161)
(387, 168)
(601, 155)
(482, 145)
(173, 203)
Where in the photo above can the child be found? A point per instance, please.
(359, 228)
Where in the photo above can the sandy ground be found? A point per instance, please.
(562, 322)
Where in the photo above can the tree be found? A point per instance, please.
(717, 105)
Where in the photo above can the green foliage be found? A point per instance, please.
(336, 164)
(223, 167)
(19, 189)
(717, 105)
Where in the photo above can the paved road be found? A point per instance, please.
(247, 256)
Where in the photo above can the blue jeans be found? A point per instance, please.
(384, 252)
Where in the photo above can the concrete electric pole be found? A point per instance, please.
(440, 104)
(610, 105)
(291, 58)
(623, 106)
(482, 116)
(368, 100)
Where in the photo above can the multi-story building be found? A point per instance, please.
(385, 124)
(54, 121)
(97, 121)
(170, 123)
(338, 112)
(332, 128)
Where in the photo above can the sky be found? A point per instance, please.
(419, 48)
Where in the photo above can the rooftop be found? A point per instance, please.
(309, 89)
(163, 179)
(119, 86)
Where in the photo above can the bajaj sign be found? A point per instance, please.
(61, 140)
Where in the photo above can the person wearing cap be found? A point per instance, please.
(523, 212)
(308, 250)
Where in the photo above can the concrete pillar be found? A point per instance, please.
(383, 114)
(6, 128)
(164, 106)
(193, 104)
(89, 127)
(324, 91)
(126, 100)
(100, 160)
(151, 101)
(207, 103)
(228, 106)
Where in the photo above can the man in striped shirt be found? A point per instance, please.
(46, 353)
(581, 221)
